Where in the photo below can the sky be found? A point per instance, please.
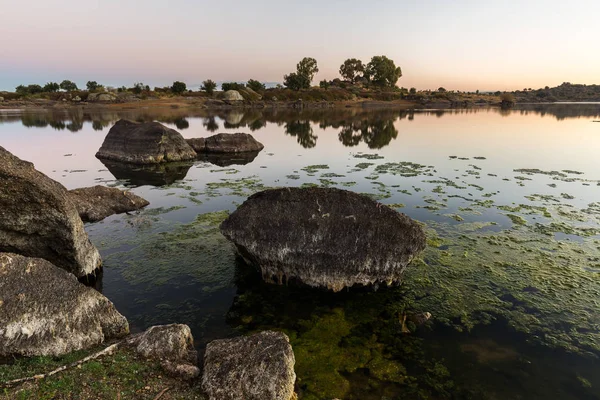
(458, 44)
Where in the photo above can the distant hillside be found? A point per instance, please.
(565, 92)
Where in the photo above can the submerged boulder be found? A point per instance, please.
(144, 143)
(172, 345)
(323, 237)
(255, 367)
(38, 219)
(98, 202)
(226, 143)
(45, 311)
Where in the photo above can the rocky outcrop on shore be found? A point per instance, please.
(144, 143)
(101, 97)
(232, 96)
(171, 345)
(255, 367)
(98, 202)
(323, 237)
(226, 143)
(45, 311)
(38, 218)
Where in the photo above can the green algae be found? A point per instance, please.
(517, 219)
(368, 156)
(196, 251)
(364, 165)
(404, 168)
(311, 169)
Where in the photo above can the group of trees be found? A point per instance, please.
(49, 87)
(380, 71)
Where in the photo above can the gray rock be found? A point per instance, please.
(98, 202)
(101, 97)
(144, 143)
(256, 367)
(323, 237)
(172, 345)
(76, 99)
(1, 98)
(226, 143)
(198, 144)
(45, 311)
(38, 219)
(232, 95)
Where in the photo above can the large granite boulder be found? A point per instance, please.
(323, 237)
(98, 202)
(256, 367)
(172, 345)
(226, 143)
(232, 95)
(38, 219)
(45, 311)
(144, 143)
(101, 97)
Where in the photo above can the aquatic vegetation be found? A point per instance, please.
(368, 156)
(364, 165)
(311, 169)
(404, 168)
(517, 219)
(196, 251)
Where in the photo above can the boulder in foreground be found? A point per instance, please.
(172, 345)
(226, 143)
(38, 219)
(98, 202)
(45, 311)
(255, 367)
(144, 143)
(323, 237)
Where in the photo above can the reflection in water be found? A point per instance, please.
(227, 159)
(210, 124)
(376, 134)
(181, 123)
(153, 175)
(303, 133)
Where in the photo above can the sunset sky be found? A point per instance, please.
(461, 44)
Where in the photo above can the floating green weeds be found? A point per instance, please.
(311, 169)
(368, 156)
(404, 168)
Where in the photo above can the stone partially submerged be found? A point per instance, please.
(226, 143)
(323, 237)
(148, 174)
(98, 202)
(255, 367)
(45, 311)
(144, 143)
(38, 219)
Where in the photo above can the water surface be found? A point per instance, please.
(511, 273)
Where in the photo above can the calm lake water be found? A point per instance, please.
(510, 201)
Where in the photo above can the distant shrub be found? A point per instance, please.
(68, 85)
(413, 90)
(442, 90)
(256, 85)
(92, 86)
(208, 86)
(51, 87)
(225, 86)
(296, 81)
(178, 87)
(324, 84)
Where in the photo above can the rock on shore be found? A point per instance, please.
(144, 143)
(255, 367)
(98, 202)
(226, 143)
(172, 345)
(38, 219)
(45, 311)
(323, 237)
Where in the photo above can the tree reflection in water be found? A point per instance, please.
(303, 133)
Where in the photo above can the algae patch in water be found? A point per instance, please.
(197, 251)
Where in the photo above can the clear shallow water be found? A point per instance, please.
(511, 275)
